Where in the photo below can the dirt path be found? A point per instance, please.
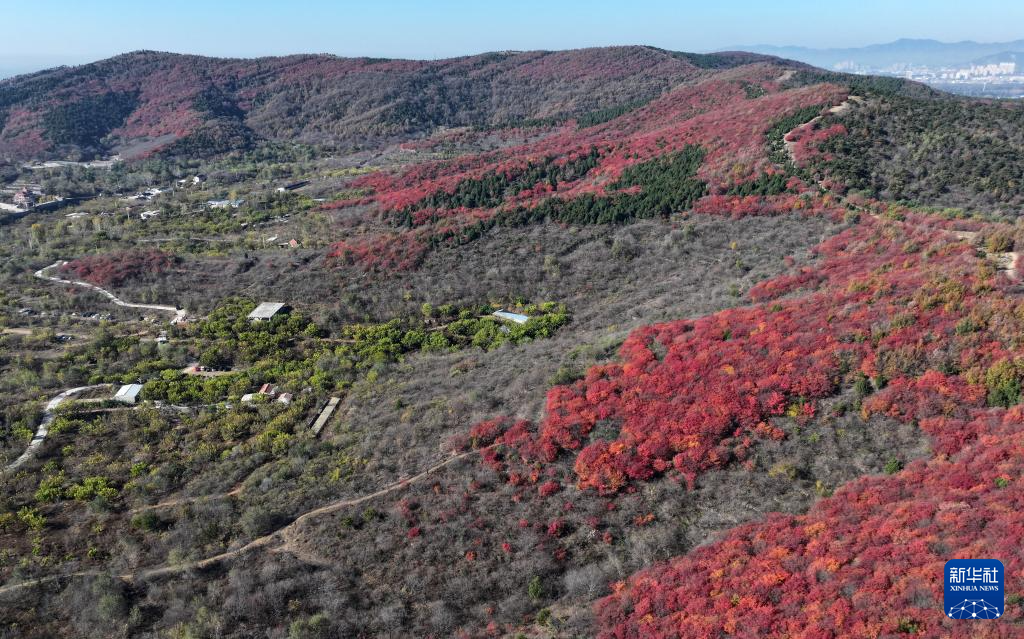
(179, 313)
(1007, 262)
(842, 107)
(49, 415)
(285, 535)
(237, 490)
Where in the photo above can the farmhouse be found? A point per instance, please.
(267, 310)
(129, 393)
(268, 390)
(24, 198)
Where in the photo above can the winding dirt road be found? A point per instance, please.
(49, 415)
(179, 313)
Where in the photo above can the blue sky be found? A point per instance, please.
(77, 31)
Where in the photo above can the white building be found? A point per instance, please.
(129, 393)
(512, 317)
(224, 204)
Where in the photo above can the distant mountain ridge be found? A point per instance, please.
(1005, 56)
(138, 102)
(913, 51)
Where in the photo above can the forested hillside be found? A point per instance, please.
(322, 99)
(937, 151)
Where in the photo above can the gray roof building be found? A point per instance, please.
(266, 310)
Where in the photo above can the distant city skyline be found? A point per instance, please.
(67, 32)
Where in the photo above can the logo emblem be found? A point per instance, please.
(974, 589)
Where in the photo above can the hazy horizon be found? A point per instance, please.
(19, 65)
(77, 33)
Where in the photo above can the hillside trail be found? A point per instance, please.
(182, 501)
(285, 535)
(49, 416)
(838, 109)
(179, 313)
(1006, 261)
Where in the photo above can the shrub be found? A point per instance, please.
(91, 488)
(32, 518)
(535, 589)
(51, 488)
(999, 242)
(147, 521)
(1003, 383)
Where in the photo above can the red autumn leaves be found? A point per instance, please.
(715, 114)
(114, 269)
(900, 302)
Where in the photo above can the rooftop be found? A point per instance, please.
(518, 318)
(128, 392)
(266, 310)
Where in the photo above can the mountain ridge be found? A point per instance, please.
(224, 103)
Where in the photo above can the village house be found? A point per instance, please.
(267, 390)
(24, 198)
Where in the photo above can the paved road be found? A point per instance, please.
(44, 426)
(179, 313)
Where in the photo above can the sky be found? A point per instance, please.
(51, 32)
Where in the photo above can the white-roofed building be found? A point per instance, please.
(267, 310)
(129, 393)
(518, 318)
